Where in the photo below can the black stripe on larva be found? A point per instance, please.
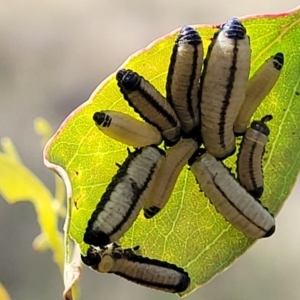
(205, 63)
(100, 238)
(257, 191)
(226, 100)
(129, 81)
(180, 287)
(278, 61)
(233, 29)
(234, 206)
(187, 35)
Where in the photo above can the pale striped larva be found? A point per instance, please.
(149, 104)
(165, 180)
(148, 272)
(230, 199)
(124, 197)
(249, 161)
(222, 87)
(126, 129)
(183, 77)
(259, 86)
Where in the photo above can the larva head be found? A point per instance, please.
(233, 29)
(106, 263)
(128, 80)
(261, 126)
(151, 212)
(270, 232)
(99, 117)
(188, 35)
(96, 238)
(278, 61)
(92, 258)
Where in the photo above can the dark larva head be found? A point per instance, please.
(128, 79)
(278, 61)
(99, 117)
(233, 29)
(95, 238)
(92, 258)
(188, 35)
(270, 232)
(261, 126)
(184, 283)
(151, 212)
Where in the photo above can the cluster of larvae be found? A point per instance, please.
(205, 108)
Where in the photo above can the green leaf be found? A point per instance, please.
(188, 231)
(17, 183)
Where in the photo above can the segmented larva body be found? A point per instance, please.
(259, 86)
(149, 104)
(183, 77)
(126, 129)
(249, 162)
(230, 199)
(124, 197)
(222, 87)
(148, 272)
(176, 158)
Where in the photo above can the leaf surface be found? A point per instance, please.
(18, 183)
(188, 232)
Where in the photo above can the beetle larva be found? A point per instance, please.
(126, 129)
(259, 86)
(165, 180)
(222, 87)
(183, 77)
(230, 199)
(148, 272)
(149, 104)
(124, 197)
(249, 161)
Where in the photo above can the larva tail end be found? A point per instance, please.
(151, 212)
(96, 238)
(256, 193)
(234, 29)
(127, 79)
(188, 35)
(270, 232)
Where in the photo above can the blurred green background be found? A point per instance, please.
(52, 56)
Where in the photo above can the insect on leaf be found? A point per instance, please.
(188, 232)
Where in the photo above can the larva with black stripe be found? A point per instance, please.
(126, 129)
(149, 104)
(249, 159)
(222, 87)
(230, 199)
(183, 77)
(259, 86)
(176, 158)
(152, 273)
(124, 197)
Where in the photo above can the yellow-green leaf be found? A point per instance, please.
(17, 183)
(188, 231)
(3, 293)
